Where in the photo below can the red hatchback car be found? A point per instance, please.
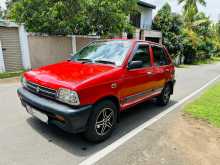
(87, 92)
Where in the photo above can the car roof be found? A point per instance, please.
(137, 41)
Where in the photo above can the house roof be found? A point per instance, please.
(7, 23)
(145, 4)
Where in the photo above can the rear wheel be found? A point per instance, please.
(102, 121)
(164, 98)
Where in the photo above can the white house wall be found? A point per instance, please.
(23, 36)
(146, 17)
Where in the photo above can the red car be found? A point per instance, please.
(88, 92)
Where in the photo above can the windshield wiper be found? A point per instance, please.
(84, 60)
(105, 62)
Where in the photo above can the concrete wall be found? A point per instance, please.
(44, 50)
(153, 34)
(82, 41)
(29, 50)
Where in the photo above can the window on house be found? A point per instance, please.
(136, 19)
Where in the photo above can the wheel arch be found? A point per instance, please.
(171, 83)
(115, 100)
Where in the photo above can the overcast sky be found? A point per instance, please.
(212, 9)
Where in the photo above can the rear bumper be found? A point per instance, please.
(75, 118)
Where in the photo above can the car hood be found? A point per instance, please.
(66, 74)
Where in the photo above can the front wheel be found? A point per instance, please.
(102, 121)
(164, 98)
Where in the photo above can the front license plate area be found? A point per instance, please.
(35, 113)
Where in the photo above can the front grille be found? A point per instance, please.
(40, 90)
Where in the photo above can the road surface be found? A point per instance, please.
(25, 140)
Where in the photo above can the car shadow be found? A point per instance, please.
(76, 145)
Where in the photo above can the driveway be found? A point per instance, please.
(25, 140)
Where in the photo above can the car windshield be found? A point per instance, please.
(106, 52)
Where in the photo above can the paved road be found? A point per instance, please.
(24, 140)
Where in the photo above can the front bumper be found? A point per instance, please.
(75, 118)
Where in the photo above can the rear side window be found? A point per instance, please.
(160, 58)
(142, 54)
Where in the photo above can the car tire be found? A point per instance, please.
(164, 97)
(101, 122)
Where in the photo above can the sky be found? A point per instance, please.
(212, 9)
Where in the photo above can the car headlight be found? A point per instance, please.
(23, 81)
(68, 96)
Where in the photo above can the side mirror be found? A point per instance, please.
(71, 57)
(135, 64)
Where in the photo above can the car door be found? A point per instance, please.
(161, 67)
(138, 82)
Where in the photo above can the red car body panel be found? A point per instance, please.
(94, 82)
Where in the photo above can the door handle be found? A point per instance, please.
(149, 73)
(167, 70)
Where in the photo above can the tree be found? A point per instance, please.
(188, 4)
(215, 30)
(9, 3)
(1, 12)
(196, 31)
(49, 16)
(110, 17)
(170, 24)
(190, 9)
(198, 38)
(104, 17)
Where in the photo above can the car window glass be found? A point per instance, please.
(160, 59)
(108, 51)
(142, 54)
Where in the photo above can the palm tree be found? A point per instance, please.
(187, 4)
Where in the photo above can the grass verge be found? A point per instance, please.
(211, 60)
(206, 107)
(11, 74)
(208, 61)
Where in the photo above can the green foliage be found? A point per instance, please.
(189, 4)
(198, 43)
(104, 17)
(197, 32)
(192, 35)
(49, 16)
(11, 74)
(9, 3)
(109, 17)
(1, 12)
(170, 25)
(216, 38)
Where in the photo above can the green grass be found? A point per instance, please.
(11, 74)
(205, 61)
(216, 59)
(211, 60)
(206, 107)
